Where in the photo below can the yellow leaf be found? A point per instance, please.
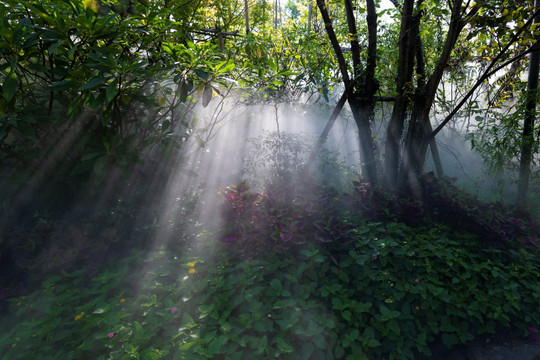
(93, 4)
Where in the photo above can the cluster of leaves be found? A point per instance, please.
(277, 157)
(51, 243)
(494, 223)
(93, 87)
(287, 213)
(496, 136)
(295, 211)
(390, 292)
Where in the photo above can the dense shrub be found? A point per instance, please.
(389, 293)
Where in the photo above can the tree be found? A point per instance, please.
(528, 125)
(418, 77)
(361, 87)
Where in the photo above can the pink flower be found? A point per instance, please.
(174, 309)
(416, 281)
(532, 330)
(110, 335)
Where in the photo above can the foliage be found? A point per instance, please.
(49, 243)
(494, 224)
(288, 213)
(390, 292)
(278, 157)
(91, 88)
(496, 136)
(294, 211)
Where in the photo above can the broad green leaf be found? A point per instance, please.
(449, 340)
(283, 345)
(112, 90)
(372, 342)
(9, 87)
(93, 83)
(99, 164)
(202, 74)
(207, 94)
(276, 285)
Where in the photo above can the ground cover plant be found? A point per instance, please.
(383, 290)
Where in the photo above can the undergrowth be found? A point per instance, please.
(296, 274)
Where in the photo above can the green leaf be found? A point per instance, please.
(373, 342)
(394, 327)
(275, 284)
(337, 303)
(99, 164)
(307, 351)
(202, 74)
(207, 94)
(320, 341)
(283, 345)
(449, 340)
(9, 87)
(62, 85)
(112, 90)
(184, 91)
(225, 66)
(93, 83)
(217, 344)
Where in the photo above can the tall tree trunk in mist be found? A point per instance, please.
(419, 130)
(361, 99)
(407, 47)
(528, 125)
(404, 160)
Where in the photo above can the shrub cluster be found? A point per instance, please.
(389, 293)
(298, 210)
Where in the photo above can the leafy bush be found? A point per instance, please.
(279, 157)
(494, 223)
(87, 88)
(287, 213)
(389, 293)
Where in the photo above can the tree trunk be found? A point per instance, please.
(310, 12)
(420, 129)
(527, 139)
(363, 113)
(246, 9)
(399, 112)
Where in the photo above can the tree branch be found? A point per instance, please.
(371, 85)
(334, 41)
(487, 73)
(353, 33)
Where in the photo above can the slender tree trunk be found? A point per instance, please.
(420, 130)
(246, 9)
(399, 113)
(361, 99)
(527, 141)
(310, 12)
(363, 113)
